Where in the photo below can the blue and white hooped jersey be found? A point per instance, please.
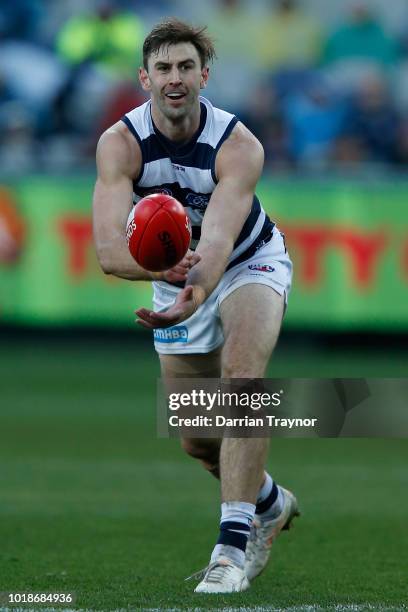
(187, 172)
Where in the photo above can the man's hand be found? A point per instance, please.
(185, 305)
(186, 302)
(179, 273)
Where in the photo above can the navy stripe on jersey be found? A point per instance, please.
(263, 237)
(184, 195)
(250, 222)
(200, 157)
(195, 232)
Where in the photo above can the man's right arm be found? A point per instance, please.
(117, 162)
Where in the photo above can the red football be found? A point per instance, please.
(158, 232)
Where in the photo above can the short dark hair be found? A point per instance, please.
(173, 31)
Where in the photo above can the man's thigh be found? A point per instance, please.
(251, 318)
(198, 365)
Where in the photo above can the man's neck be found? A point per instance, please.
(178, 131)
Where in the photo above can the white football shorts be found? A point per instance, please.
(202, 332)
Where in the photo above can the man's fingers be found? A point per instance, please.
(180, 271)
(144, 324)
(152, 320)
(144, 312)
(180, 310)
(194, 259)
(147, 316)
(188, 292)
(184, 265)
(176, 277)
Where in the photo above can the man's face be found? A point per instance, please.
(174, 79)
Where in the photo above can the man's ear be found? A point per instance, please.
(205, 73)
(144, 79)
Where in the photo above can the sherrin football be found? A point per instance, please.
(158, 232)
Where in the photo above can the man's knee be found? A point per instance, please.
(239, 370)
(205, 450)
(201, 448)
(233, 366)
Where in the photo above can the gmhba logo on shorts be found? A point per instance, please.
(172, 334)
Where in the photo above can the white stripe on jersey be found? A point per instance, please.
(157, 172)
(141, 120)
(217, 122)
(163, 171)
(196, 179)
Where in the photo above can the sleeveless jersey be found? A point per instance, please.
(187, 173)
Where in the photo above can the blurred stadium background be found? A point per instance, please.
(324, 85)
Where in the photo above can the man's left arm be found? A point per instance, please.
(238, 167)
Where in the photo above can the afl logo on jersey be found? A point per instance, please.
(261, 268)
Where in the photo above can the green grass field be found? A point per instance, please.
(92, 502)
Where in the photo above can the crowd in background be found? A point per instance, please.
(323, 90)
